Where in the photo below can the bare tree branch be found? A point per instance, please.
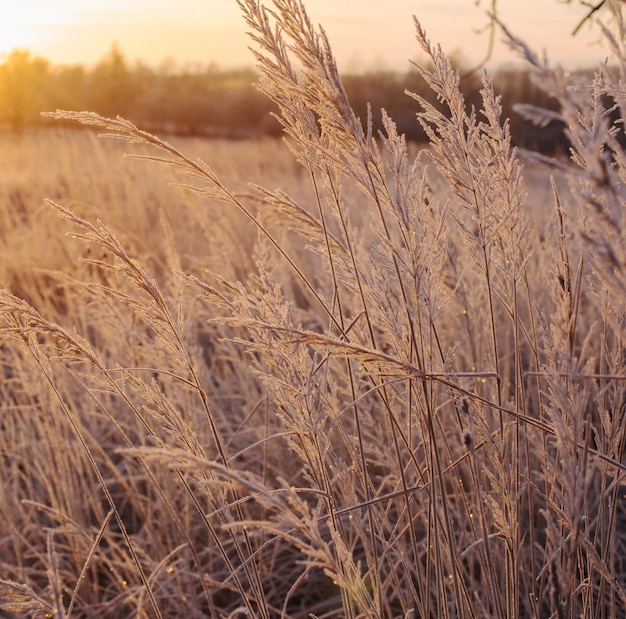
(593, 8)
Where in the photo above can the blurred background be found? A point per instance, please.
(185, 67)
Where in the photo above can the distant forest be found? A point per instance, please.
(206, 101)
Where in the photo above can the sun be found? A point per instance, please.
(26, 24)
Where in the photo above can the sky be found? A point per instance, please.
(364, 34)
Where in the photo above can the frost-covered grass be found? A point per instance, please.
(392, 387)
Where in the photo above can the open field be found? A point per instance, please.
(92, 177)
(389, 383)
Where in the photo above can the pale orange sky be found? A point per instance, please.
(364, 33)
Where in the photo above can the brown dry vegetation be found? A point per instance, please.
(209, 102)
(374, 383)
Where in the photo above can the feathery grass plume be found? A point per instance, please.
(480, 168)
(580, 366)
(586, 110)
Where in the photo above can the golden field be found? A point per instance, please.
(332, 376)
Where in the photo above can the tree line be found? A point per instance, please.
(202, 100)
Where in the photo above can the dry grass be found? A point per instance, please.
(393, 387)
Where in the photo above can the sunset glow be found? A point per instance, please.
(364, 33)
(32, 23)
